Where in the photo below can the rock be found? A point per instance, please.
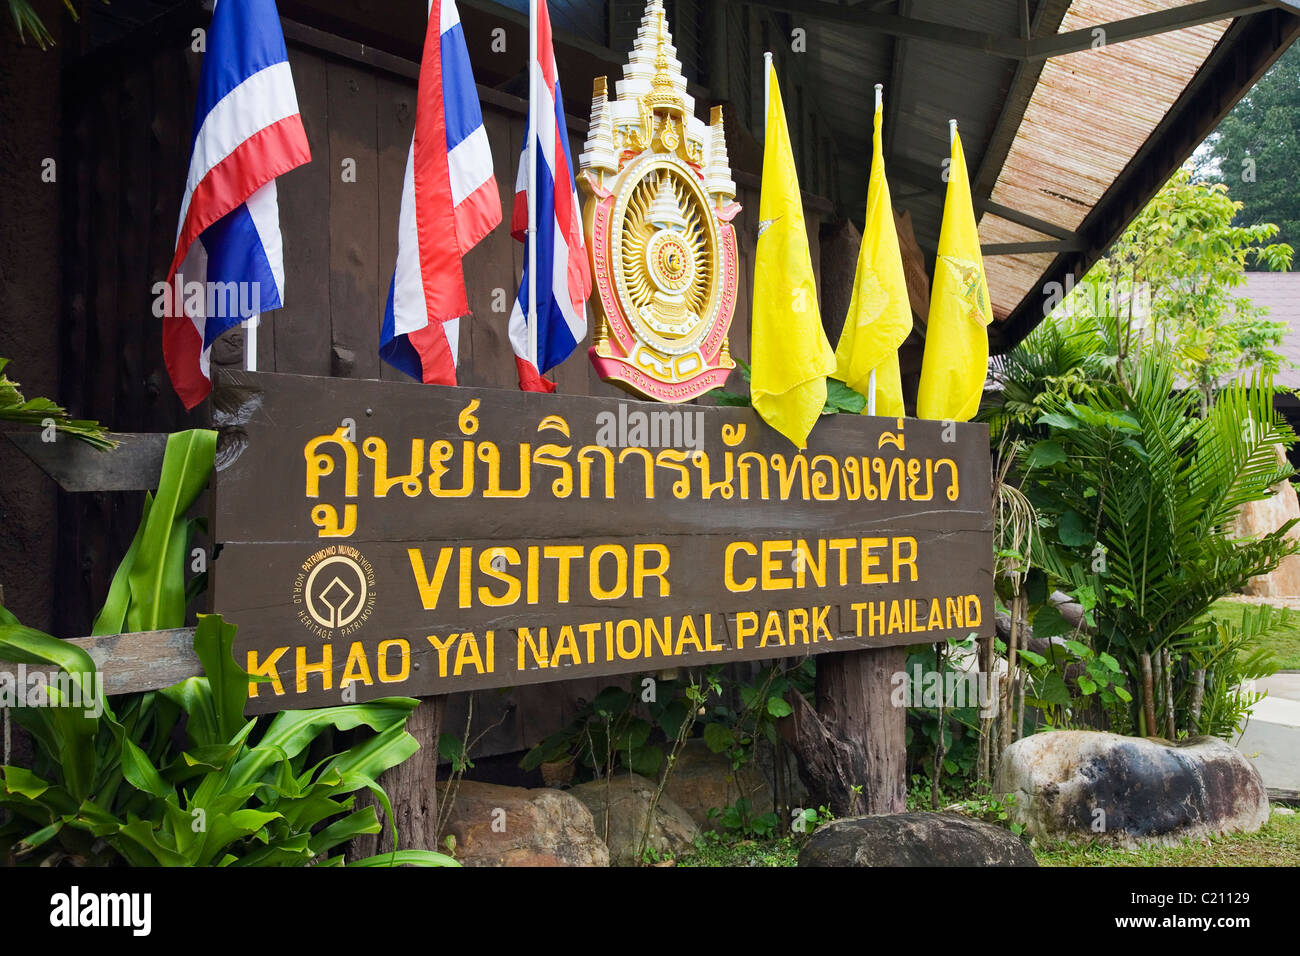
(1258, 518)
(629, 802)
(914, 839)
(702, 780)
(533, 828)
(1126, 791)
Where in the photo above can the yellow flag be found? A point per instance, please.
(880, 314)
(791, 357)
(956, 339)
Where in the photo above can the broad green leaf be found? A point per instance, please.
(407, 858)
(112, 616)
(24, 782)
(1049, 622)
(213, 643)
(778, 707)
(294, 730)
(645, 760)
(157, 577)
(1072, 532)
(1045, 454)
(354, 824)
(718, 737)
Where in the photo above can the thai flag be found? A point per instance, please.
(449, 203)
(563, 282)
(247, 131)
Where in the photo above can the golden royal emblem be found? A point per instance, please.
(660, 201)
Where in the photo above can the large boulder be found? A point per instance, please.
(1126, 791)
(1258, 518)
(914, 839)
(496, 825)
(702, 780)
(628, 798)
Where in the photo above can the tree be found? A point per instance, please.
(1253, 152)
(1171, 277)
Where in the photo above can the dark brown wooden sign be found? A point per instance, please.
(381, 538)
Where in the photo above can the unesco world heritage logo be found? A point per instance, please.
(334, 591)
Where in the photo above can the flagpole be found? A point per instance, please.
(767, 86)
(250, 341)
(532, 185)
(871, 379)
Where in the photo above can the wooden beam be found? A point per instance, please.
(138, 661)
(1135, 28)
(134, 465)
(913, 174)
(995, 44)
(1025, 248)
(1017, 48)
(1046, 20)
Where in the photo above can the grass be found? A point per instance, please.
(710, 849)
(1284, 645)
(1276, 844)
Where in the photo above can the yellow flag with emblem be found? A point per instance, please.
(880, 313)
(790, 355)
(956, 340)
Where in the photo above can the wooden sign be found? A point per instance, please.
(381, 538)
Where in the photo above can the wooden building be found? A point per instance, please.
(1073, 114)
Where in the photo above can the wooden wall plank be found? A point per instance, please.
(492, 271)
(352, 163)
(302, 327)
(395, 124)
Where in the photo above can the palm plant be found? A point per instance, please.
(28, 21)
(1140, 493)
(1064, 356)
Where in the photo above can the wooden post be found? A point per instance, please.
(856, 737)
(411, 790)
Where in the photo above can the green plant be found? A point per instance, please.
(762, 703)
(993, 809)
(109, 789)
(1137, 493)
(740, 819)
(930, 711)
(148, 591)
(840, 398)
(38, 411)
(607, 733)
(1223, 668)
(1064, 685)
(807, 820)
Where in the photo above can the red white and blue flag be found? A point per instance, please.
(450, 202)
(247, 131)
(563, 275)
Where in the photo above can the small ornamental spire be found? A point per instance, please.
(600, 154)
(717, 181)
(663, 91)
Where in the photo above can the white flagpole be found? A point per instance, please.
(250, 342)
(532, 185)
(767, 87)
(871, 379)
